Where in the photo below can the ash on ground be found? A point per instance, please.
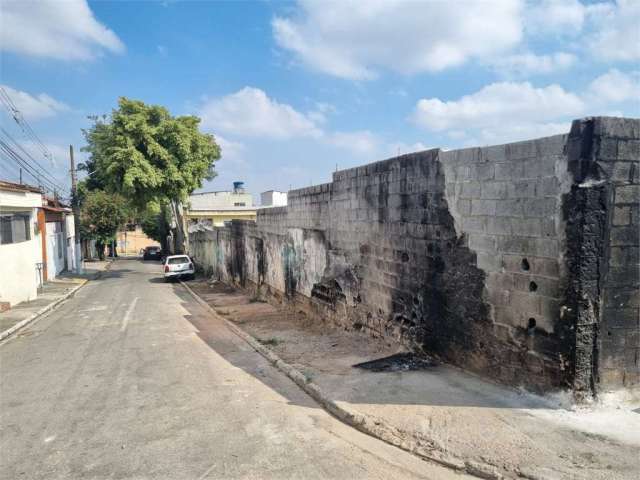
(400, 362)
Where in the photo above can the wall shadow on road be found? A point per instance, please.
(215, 334)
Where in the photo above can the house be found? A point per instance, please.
(60, 237)
(273, 198)
(214, 208)
(37, 241)
(21, 243)
(131, 240)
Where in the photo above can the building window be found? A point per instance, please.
(15, 228)
(239, 204)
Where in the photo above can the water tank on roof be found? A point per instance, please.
(238, 187)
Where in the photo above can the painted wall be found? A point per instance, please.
(474, 255)
(19, 280)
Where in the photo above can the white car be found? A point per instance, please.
(177, 266)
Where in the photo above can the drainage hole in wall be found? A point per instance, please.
(533, 286)
(525, 264)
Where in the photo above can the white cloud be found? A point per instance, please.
(555, 16)
(615, 87)
(231, 151)
(510, 111)
(64, 30)
(353, 39)
(361, 142)
(496, 105)
(531, 64)
(617, 32)
(35, 107)
(250, 112)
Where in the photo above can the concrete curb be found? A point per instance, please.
(370, 425)
(47, 308)
(40, 312)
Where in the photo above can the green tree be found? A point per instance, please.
(155, 222)
(101, 215)
(147, 155)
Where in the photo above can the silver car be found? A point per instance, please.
(178, 266)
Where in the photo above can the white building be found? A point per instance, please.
(20, 243)
(273, 198)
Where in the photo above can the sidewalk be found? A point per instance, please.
(53, 292)
(440, 412)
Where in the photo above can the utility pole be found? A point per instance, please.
(75, 204)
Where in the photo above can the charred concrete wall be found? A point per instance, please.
(474, 255)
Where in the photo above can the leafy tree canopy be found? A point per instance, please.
(145, 154)
(102, 214)
(155, 222)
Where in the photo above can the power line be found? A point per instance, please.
(44, 171)
(18, 117)
(11, 154)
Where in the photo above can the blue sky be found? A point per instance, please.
(293, 89)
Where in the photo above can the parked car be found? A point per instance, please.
(152, 253)
(178, 266)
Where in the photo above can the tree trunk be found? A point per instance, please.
(100, 249)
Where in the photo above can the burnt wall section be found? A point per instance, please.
(467, 254)
(507, 202)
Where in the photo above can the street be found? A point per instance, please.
(131, 378)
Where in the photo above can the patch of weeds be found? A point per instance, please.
(271, 342)
(256, 299)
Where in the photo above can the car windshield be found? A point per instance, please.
(173, 261)
(153, 249)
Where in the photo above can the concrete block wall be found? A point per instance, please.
(474, 255)
(616, 147)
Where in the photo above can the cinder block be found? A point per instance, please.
(482, 171)
(483, 207)
(464, 207)
(489, 262)
(498, 226)
(470, 190)
(526, 227)
(546, 247)
(525, 302)
(540, 167)
(483, 243)
(622, 215)
(539, 207)
(517, 245)
(617, 127)
(627, 235)
(474, 224)
(608, 148)
(509, 170)
(629, 150)
(493, 153)
(494, 190)
(627, 194)
(522, 188)
(548, 186)
(509, 208)
(548, 227)
(621, 317)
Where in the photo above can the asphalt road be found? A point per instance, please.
(132, 379)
